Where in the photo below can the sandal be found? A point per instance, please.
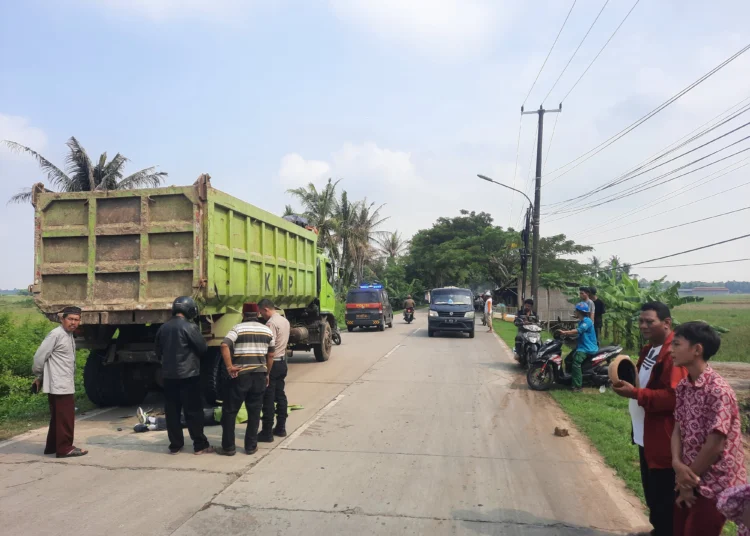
(75, 453)
(207, 450)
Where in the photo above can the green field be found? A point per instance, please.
(731, 312)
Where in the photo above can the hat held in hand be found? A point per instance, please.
(623, 369)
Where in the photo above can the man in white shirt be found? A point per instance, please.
(652, 406)
(488, 311)
(54, 368)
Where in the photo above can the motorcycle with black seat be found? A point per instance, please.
(409, 314)
(547, 369)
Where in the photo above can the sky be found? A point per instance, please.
(405, 101)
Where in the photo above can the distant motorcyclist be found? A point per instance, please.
(586, 343)
(409, 303)
(525, 315)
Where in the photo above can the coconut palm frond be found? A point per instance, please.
(55, 175)
(145, 178)
(80, 167)
(22, 197)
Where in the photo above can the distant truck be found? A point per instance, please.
(124, 256)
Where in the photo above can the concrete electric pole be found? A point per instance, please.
(537, 199)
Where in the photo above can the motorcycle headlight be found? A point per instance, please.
(470, 314)
(433, 313)
(533, 338)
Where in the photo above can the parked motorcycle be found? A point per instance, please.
(547, 369)
(409, 314)
(531, 334)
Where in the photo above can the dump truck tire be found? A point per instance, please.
(106, 385)
(213, 377)
(323, 351)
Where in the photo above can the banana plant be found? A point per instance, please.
(623, 298)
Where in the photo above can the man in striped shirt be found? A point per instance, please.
(247, 351)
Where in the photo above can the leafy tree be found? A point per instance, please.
(82, 175)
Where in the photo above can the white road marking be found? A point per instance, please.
(301, 430)
(392, 350)
(31, 433)
(325, 409)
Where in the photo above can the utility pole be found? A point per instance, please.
(537, 199)
(525, 254)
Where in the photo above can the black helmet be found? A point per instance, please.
(185, 305)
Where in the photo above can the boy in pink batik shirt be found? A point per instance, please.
(707, 453)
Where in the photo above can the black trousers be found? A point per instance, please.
(658, 487)
(275, 396)
(184, 396)
(248, 388)
(598, 330)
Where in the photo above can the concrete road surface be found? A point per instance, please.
(401, 434)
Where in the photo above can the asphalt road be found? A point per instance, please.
(401, 434)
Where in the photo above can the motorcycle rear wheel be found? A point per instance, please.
(538, 379)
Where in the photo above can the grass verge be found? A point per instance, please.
(605, 420)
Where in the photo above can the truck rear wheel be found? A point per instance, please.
(113, 385)
(213, 377)
(322, 351)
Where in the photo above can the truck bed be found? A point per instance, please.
(123, 256)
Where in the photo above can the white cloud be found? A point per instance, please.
(296, 171)
(18, 129)
(370, 162)
(449, 27)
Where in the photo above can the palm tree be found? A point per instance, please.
(346, 215)
(320, 208)
(595, 263)
(392, 245)
(364, 233)
(82, 175)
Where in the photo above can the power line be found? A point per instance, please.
(668, 228)
(648, 185)
(599, 148)
(696, 264)
(684, 189)
(632, 174)
(552, 137)
(575, 52)
(550, 52)
(531, 159)
(671, 147)
(515, 167)
(600, 51)
(691, 250)
(658, 201)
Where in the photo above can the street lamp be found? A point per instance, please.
(525, 233)
(506, 186)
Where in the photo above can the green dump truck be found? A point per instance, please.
(124, 256)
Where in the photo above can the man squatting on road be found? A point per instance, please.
(55, 370)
